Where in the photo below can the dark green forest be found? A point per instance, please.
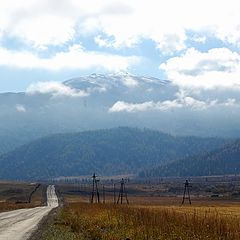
(108, 152)
(225, 160)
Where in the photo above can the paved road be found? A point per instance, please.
(20, 224)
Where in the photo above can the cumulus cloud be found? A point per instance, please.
(101, 42)
(167, 23)
(55, 89)
(20, 108)
(39, 23)
(43, 23)
(230, 102)
(51, 33)
(75, 58)
(188, 102)
(218, 67)
(182, 101)
(171, 42)
(199, 39)
(121, 106)
(129, 81)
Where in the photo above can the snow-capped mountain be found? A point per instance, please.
(104, 101)
(123, 86)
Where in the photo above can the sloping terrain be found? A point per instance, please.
(114, 151)
(225, 160)
(105, 101)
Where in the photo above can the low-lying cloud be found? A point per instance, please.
(178, 103)
(20, 108)
(55, 89)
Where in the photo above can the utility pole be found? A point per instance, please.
(122, 193)
(186, 192)
(114, 193)
(103, 194)
(95, 192)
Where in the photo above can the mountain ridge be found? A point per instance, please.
(109, 152)
(221, 161)
(101, 101)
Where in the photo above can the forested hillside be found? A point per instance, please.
(225, 160)
(108, 152)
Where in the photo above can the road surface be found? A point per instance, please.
(20, 224)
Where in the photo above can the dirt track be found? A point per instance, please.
(20, 224)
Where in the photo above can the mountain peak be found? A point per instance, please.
(113, 80)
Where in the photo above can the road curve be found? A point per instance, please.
(20, 224)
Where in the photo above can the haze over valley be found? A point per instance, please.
(107, 101)
(54, 114)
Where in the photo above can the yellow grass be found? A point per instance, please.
(141, 222)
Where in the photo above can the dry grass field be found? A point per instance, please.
(154, 213)
(115, 222)
(149, 216)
